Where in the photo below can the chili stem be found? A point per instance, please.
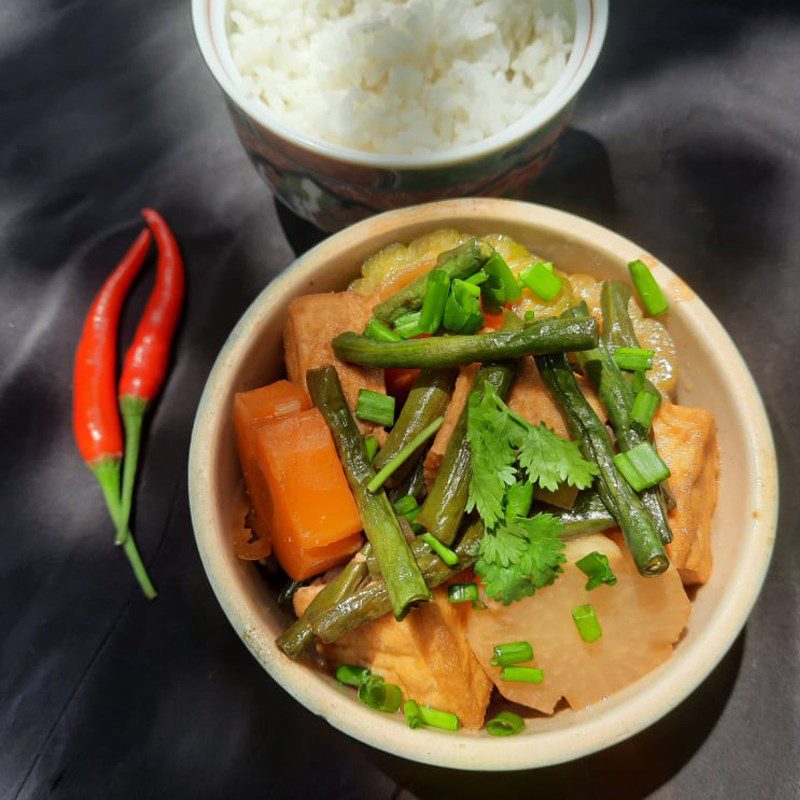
(133, 411)
(107, 473)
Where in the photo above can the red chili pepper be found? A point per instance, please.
(95, 417)
(148, 356)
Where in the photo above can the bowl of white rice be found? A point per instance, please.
(348, 108)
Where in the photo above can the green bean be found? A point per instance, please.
(539, 338)
(294, 640)
(640, 534)
(588, 515)
(460, 262)
(443, 510)
(427, 400)
(404, 580)
(413, 485)
(617, 396)
(373, 600)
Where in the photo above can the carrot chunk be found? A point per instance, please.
(312, 517)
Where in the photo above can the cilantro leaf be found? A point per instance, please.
(492, 436)
(550, 460)
(520, 556)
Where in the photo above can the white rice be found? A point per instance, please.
(398, 76)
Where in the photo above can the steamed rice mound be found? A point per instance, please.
(398, 76)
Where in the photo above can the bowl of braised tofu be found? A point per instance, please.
(484, 484)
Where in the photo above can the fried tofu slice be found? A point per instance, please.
(529, 398)
(426, 655)
(314, 321)
(686, 439)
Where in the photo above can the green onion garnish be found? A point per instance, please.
(639, 381)
(506, 723)
(436, 291)
(521, 675)
(541, 280)
(648, 288)
(504, 655)
(644, 406)
(634, 358)
(642, 466)
(596, 567)
(412, 713)
(529, 316)
(469, 288)
(407, 506)
(436, 718)
(465, 593)
(407, 326)
(587, 623)
(478, 278)
(370, 446)
(405, 452)
(374, 692)
(381, 331)
(519, 499)
(501, 286)
(352, 675)
(441, 550)
(462, 311)
(375, 407)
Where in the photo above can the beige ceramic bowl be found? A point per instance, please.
(713, 375)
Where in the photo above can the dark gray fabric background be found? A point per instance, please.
(685, 140)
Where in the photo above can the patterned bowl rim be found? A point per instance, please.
(566, 738)
(209, 21)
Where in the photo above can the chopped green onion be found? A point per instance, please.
(519, 500)
(352, 675)
(642, 466)
(504, 655)
(379, 695)
(412, 713)
(648, 288)
(441, 550)
(596, 567)
(478, 278)
(465, 593)
(404, 453)
(370, 446)
(462, 311)
(407, 507)
(587, 623)
(521, 675)
(541, 280)
(638, 382)
(417, 528)
(506, 723)
(375, 407)
(407, 326)
(501, 287)
(529, 316)
(287, 593)
(644, 406)
(436, 292)
(633, 359)
(381, 331)
(435, 718)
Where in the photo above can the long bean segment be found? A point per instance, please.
(294, 640)
(403, 578)
(640, 533)
(427, 400)
(538, 338)
(588, 515)
(443, 510)
(373, 600)
(460, 262)
(617, 397)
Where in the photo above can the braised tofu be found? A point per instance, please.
(687, 440)
(426, 655)
(314, 321)
(529, 398)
